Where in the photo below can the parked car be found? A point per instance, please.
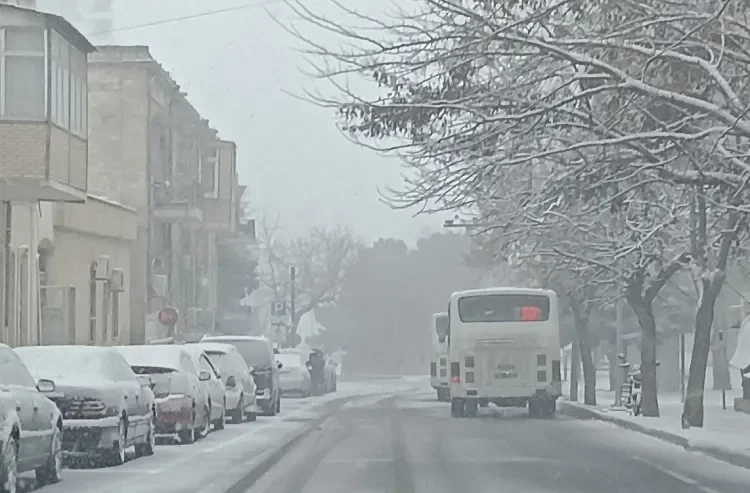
(31, 423)
(217, 394)
(181, 398)
(105, 407)
(258, 354)
(294, 377)
(239, 383)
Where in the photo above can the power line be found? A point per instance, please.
(172, 20)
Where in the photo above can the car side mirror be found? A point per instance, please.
(231, 382)
(204, 375)
(251, 371)
(45, 386)
(279, 365)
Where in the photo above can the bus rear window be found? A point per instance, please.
(503, 308)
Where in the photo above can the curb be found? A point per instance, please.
(581, 411)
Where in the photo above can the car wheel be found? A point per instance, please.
(238, 415)
(52, 471)
(117, 454)
(9, 467)
(188, 436)
(222, 421)
(252, 417)
(147, 448)
(206, 422)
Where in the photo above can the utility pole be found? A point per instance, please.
(293, 307)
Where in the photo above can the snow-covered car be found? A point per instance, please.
(181, 401)
(31, 425)
(239, 383)
(260, 358)
(294, 377)
(217, 394)
(105, 407)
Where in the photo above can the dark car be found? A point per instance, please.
(259, 356)
(105, 407)
(32, 424)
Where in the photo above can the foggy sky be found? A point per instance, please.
(234, 67)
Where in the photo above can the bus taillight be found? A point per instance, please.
(531, 314)
(455, 372)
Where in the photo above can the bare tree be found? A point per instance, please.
(634, 115)
(321, 258)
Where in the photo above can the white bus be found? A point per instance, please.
(439, 356)
(504, 347)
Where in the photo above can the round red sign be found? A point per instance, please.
(168, 315)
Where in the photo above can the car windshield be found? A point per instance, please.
(255, 352)
(221, 360)
(64, 362)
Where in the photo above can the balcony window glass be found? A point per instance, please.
(22, 74)
(69, 90)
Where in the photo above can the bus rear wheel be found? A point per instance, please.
(457, 408)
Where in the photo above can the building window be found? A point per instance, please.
(210, 173)
(23, 75)
(69, 88)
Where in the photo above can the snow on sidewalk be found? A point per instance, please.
(725, 434)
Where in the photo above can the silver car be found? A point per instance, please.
(238, 380)
(294, 377)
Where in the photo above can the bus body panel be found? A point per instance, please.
(507, 360)
(439, 367)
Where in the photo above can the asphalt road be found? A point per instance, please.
(214, 463)
(410, 444)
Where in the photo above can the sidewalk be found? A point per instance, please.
(725, 435)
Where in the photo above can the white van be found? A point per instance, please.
(439, 356)
(504, 347)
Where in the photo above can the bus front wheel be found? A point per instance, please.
(457, 408)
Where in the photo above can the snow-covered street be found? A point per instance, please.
(410, 444)
(222, 459)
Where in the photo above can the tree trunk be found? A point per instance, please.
(692, 412)
(575, 363)
(581, 319)
(589, 373)
(646, 320)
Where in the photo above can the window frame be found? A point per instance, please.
(5, 54)
(213, 159)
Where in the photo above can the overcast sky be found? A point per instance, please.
(235, 67)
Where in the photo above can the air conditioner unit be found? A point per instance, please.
(102, 268)
(117, 281)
